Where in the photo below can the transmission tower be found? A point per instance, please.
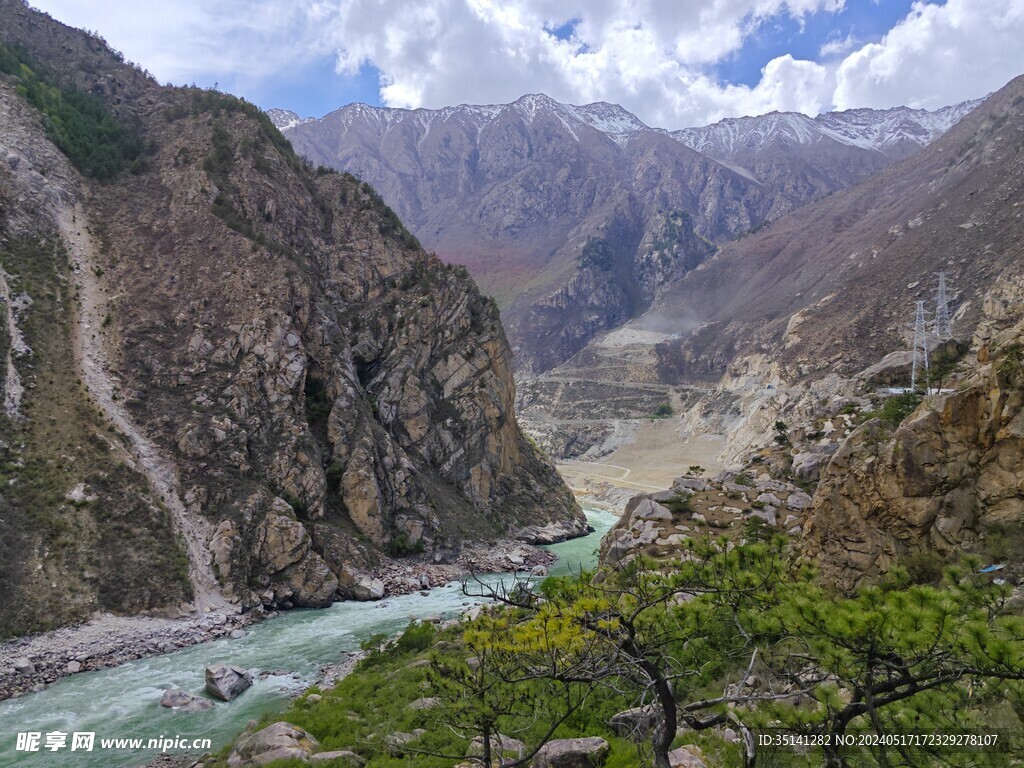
(943, 327)
(920, 361)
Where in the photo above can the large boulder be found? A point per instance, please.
(636, 722)
(651, 510)
(175, 698)
(428, 702)
(278, 741)
(226, 682)
(688, 756)
(688, 483)
(501, 744)
(395, 743)
(356, 585)
(590, 752)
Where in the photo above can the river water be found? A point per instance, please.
(123, 702)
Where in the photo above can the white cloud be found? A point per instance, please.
(651, 56)
(655, 57)
(938, 55)
(838, 46)
(182, 41)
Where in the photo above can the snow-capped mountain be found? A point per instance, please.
(285, 118)
(896, 132)
(610, 119)
(888, 130)
(517, 191)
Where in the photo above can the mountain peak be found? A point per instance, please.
(610, 119)
(283, 119)
(897, 131)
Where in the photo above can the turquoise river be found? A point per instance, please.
(123, 702)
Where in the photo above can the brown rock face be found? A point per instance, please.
(321, 387)
(951, 473)
(519, 193)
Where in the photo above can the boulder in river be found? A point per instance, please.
(357, 585)
(175, 698)
(225, 681)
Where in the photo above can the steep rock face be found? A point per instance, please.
(81, 530)
(949, 475)
(518, 193)
(356, 378)
(275, 555)
(319, 387)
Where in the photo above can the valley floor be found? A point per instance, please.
(649, 462)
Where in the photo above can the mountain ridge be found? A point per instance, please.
(862, 127)
(517, 192)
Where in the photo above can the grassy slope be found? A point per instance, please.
(59, 561)
(374, 700)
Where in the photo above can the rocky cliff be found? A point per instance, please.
(571, 217)
(300, 386)
(951, 477)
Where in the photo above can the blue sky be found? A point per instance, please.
(674, 63)
(863, 21)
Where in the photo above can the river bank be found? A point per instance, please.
(285, 653)
(32, 662)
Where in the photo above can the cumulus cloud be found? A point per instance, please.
(938, 55)
(652, 57)
(655, 57)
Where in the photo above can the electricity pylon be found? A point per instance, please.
(943, 327)
(920, 360)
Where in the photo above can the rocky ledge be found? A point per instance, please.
(403, 577)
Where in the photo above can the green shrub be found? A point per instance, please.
(924, 567)
(678, 504)
(417, 637)
(663, 411)
(78, 123)
(1011, 367)
(897, 408)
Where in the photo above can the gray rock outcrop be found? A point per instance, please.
(278, 741)
(175, 698)
(590, 752)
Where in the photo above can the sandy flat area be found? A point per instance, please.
(624, 337)
(650, 462)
